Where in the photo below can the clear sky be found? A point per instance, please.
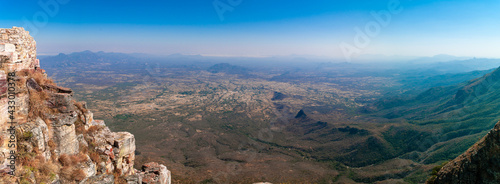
(330, 28)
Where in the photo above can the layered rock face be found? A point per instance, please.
(53, 138)
(479, 164)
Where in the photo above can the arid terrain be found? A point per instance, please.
(213, 120)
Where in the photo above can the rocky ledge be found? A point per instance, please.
(48, 137)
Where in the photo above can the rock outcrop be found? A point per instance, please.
(479, 164)
(48, 137)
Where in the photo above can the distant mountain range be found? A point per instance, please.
(362, 115)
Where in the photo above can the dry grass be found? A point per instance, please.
(39, 77)
(118, 178)
(65, 160)
(69, 171)
(38, 99)
(94, 156)
(84, 149)
(80, 107)
(38, 105)
(24, 155)
(78, 175)
(52, 146)
(43, 172)
(72, 160)
(72, 174)
(79, 127)
(93, 129)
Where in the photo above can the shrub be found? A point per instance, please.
(78, 175)
(79, 126)
(72, 173)
(66, 172)
(84, 149)
(65, 160)
(435, 171)
(94, 129)
(118, 178)
(79, 158)
(39, 77)
(38, 99)
(38, 104)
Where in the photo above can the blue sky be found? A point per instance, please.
(261, 27)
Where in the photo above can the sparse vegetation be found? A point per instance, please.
(225, 113)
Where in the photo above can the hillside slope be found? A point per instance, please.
(444, 121)
(48, 137)
(479, 164)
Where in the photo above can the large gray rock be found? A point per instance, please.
(63, 102)
(64, 135)
(124, 151)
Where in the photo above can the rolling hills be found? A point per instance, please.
(213, 120)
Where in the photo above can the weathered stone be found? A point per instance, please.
(88, 118)
(81, 140)
(124, 142)
(5, 47)
(58, 89)
(64, 135)
(154, 173)
(64, 119)
(33, 85)
(133, 179)
(124, 150)
(38, 137)
(3, 83)
(100, 179)
(116, 151)
(62, 102)
(41, 138)
(88, 167)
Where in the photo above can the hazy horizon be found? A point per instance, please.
(327, 29)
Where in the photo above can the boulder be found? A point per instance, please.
(100, 179)
(64, 134)
(124, 151)
(133, 179)
(154, 173)
(62, 102)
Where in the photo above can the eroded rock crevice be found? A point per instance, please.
(57, 138)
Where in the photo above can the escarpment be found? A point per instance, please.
(479, 164)
(48, 137)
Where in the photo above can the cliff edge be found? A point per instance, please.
(479, 164)
(48, 137)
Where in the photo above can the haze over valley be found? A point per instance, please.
(239, 91)
(214, 119)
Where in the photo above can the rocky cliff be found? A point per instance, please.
(48, 137)
(479, 164)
